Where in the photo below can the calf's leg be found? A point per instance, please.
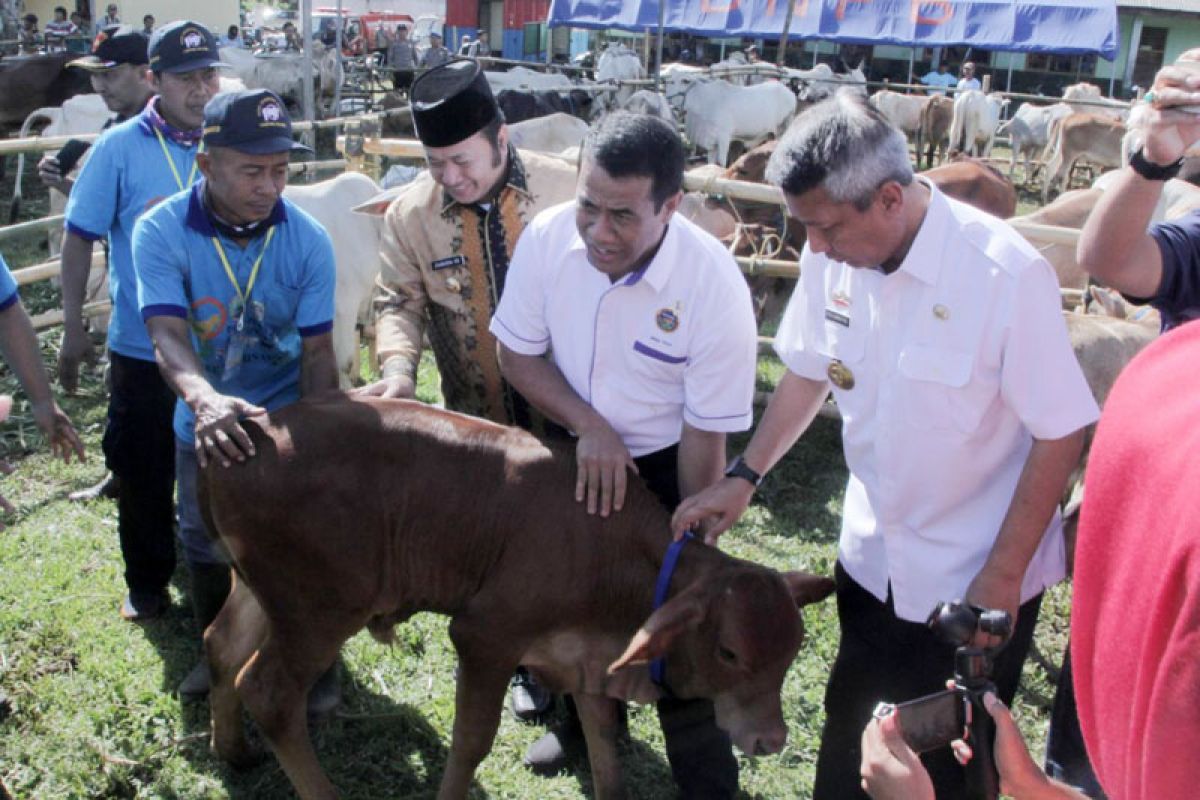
(274, 687)
(601, 719)
(236, 633)
(484, 675)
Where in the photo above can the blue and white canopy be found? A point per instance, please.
(1046, 26)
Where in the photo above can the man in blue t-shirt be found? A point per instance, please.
(939, 80)
(1156, 264)
(19, 343)
(236, 288)
(133, 166)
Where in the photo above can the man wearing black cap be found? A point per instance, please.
(236, 288)
(445, 251)
(118, 68)
(133, 166)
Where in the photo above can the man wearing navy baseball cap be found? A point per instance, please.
(118, 73)
(133, 166)
(236, 289)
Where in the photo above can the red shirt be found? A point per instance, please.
(1135, 626)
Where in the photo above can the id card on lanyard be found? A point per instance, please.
(241, 338)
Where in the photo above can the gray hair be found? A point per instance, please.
(843, 145)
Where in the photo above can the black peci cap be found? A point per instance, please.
(250, 121)
(452, 102)
(116, 44)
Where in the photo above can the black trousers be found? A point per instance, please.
(1066, 757)
(139, 448)
(700, 753)
(882, 657)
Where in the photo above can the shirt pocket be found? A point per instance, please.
(282, 303)
(936, 389)
(658, 373)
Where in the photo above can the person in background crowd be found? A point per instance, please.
(402, 59)
(82, 26)
(110, 17)
(58, 29)
(437, 54)
(232, 38)
(148, 24)
(466, 48)
(968, 79)
(939, 80)
(482, 46)
(29, 36)
(119, 75)
(291, 38)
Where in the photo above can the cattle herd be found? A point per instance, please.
(731, 114)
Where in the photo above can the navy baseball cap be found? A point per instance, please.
(183, 46)
(116, 44)
(252, 121)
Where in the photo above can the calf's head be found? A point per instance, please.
(731, 638)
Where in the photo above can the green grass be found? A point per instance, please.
(93, 714)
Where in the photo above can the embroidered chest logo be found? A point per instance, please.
(667, 320)
(840, 299)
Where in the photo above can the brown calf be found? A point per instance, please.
(360, 513)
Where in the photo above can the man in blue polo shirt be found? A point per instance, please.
(133, 166)
(236, 287)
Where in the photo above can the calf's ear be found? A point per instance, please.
(807, 588)
(655, 637)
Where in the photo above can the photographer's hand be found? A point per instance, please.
(890, 768)
(1020, 777)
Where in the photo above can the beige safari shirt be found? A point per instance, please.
(443, 270)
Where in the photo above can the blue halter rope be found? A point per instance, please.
(658, 667)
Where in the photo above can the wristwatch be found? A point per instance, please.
(1151, 171)
(738, 468)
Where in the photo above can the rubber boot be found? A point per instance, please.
(210, 588)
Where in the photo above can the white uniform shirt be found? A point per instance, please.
(675, 341)
(969, 83)
(959, 358)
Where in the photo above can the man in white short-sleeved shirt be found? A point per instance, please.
(963, 412)
(634, 329)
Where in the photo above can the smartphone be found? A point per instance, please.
(70, 154)
(935, 720)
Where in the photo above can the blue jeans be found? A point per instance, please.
(199, 548)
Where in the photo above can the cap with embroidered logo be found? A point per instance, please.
(115, 45)
(252, 121)
(183, 46)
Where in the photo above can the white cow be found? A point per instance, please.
(902, 110)
(283, 73)
(1029, 131)
(550, 134)
(821, 81)
(528, 80)
(678, 80)
(645, 101)
(718, 113)
(355, 250)
(976, 118)
(619, 63)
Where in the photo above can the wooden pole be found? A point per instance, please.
(783, 37)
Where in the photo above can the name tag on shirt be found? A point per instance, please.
(839, 318)
(446, 263)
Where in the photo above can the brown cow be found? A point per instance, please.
(977, 184)
(359, 513)
(28, 83)
(936, 117)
